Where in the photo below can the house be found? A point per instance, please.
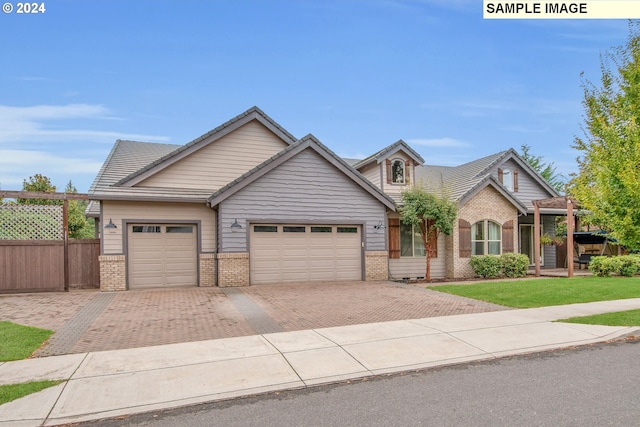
(248, 203)
(495, 197)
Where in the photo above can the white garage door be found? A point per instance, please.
(305, 253)
(162, 255)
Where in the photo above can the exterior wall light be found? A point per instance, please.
(379, 225)
(235, 227)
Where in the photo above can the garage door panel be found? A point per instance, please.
(318, 254)
(162, 255)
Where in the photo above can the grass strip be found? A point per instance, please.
(15, 391)
(17, 342)
(547, 292)
(619, 318)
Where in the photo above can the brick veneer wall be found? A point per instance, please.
(113, 273)
(376, 265)
(487, 204)
(207, 270)
(233, 269)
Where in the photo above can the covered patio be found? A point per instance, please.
(557, 206)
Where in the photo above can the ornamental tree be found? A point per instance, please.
(608, 183)
(431, 214)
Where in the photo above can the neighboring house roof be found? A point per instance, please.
(389, 151)
(253, 113)
(308, 142)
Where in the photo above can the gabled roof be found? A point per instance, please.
(253, 113)
(390, 150)
(462, 182)
(489, 181)
(308, 142)
(125, 158)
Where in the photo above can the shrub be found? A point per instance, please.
(626, 265)
(492, 266)
(601, 266)
(486, 266)
(514, 265)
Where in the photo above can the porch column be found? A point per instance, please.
(569, 238)
(536, 237)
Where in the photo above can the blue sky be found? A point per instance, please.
(358, 74)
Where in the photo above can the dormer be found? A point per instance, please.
(392, 169)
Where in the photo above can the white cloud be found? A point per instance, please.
(17, 165)
(18, 160)
(27, 124)
(438, 142)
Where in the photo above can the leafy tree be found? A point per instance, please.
(431, 214)
(547, 170)
(608, 183)
(79, 226)
(38, 183)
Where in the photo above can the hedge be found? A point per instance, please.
(505, 265)
(625, 265)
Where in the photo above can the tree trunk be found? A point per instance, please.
(424, 233)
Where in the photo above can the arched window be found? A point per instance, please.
(486, 238)
(397, 171)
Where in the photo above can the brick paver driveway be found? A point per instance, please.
(93, 321)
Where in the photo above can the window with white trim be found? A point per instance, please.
(486, 238)
(507, 179)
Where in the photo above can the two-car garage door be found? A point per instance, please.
(162, 255)
(305, 253)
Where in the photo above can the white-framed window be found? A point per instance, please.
(397, 171)
(486, 238)
(411, 244)
(507, 179)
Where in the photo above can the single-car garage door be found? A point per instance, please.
(162, 255)
(305, 253)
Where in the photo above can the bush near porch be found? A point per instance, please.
(505, 265)
(625, 265)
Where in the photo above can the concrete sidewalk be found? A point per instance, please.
(119, 382)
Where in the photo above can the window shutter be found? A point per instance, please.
(394, 237)
(515, 181)
(507, 236)
(388, 164)
(407, 172)
(464, 230)
(433, 239)
(500, 176)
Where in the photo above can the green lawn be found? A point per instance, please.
(620, 318)
(545, 292)
(18, 342)
(15, 391)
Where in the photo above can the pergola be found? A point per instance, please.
(560, 203)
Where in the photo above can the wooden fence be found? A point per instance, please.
(38, 265)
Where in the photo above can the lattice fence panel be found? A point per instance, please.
(31, 222)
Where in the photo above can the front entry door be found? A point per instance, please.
(526, 243)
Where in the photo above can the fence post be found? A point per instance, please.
(65, 226)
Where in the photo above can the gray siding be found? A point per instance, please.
(549, 227)
(305, 189)
(528, 188)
